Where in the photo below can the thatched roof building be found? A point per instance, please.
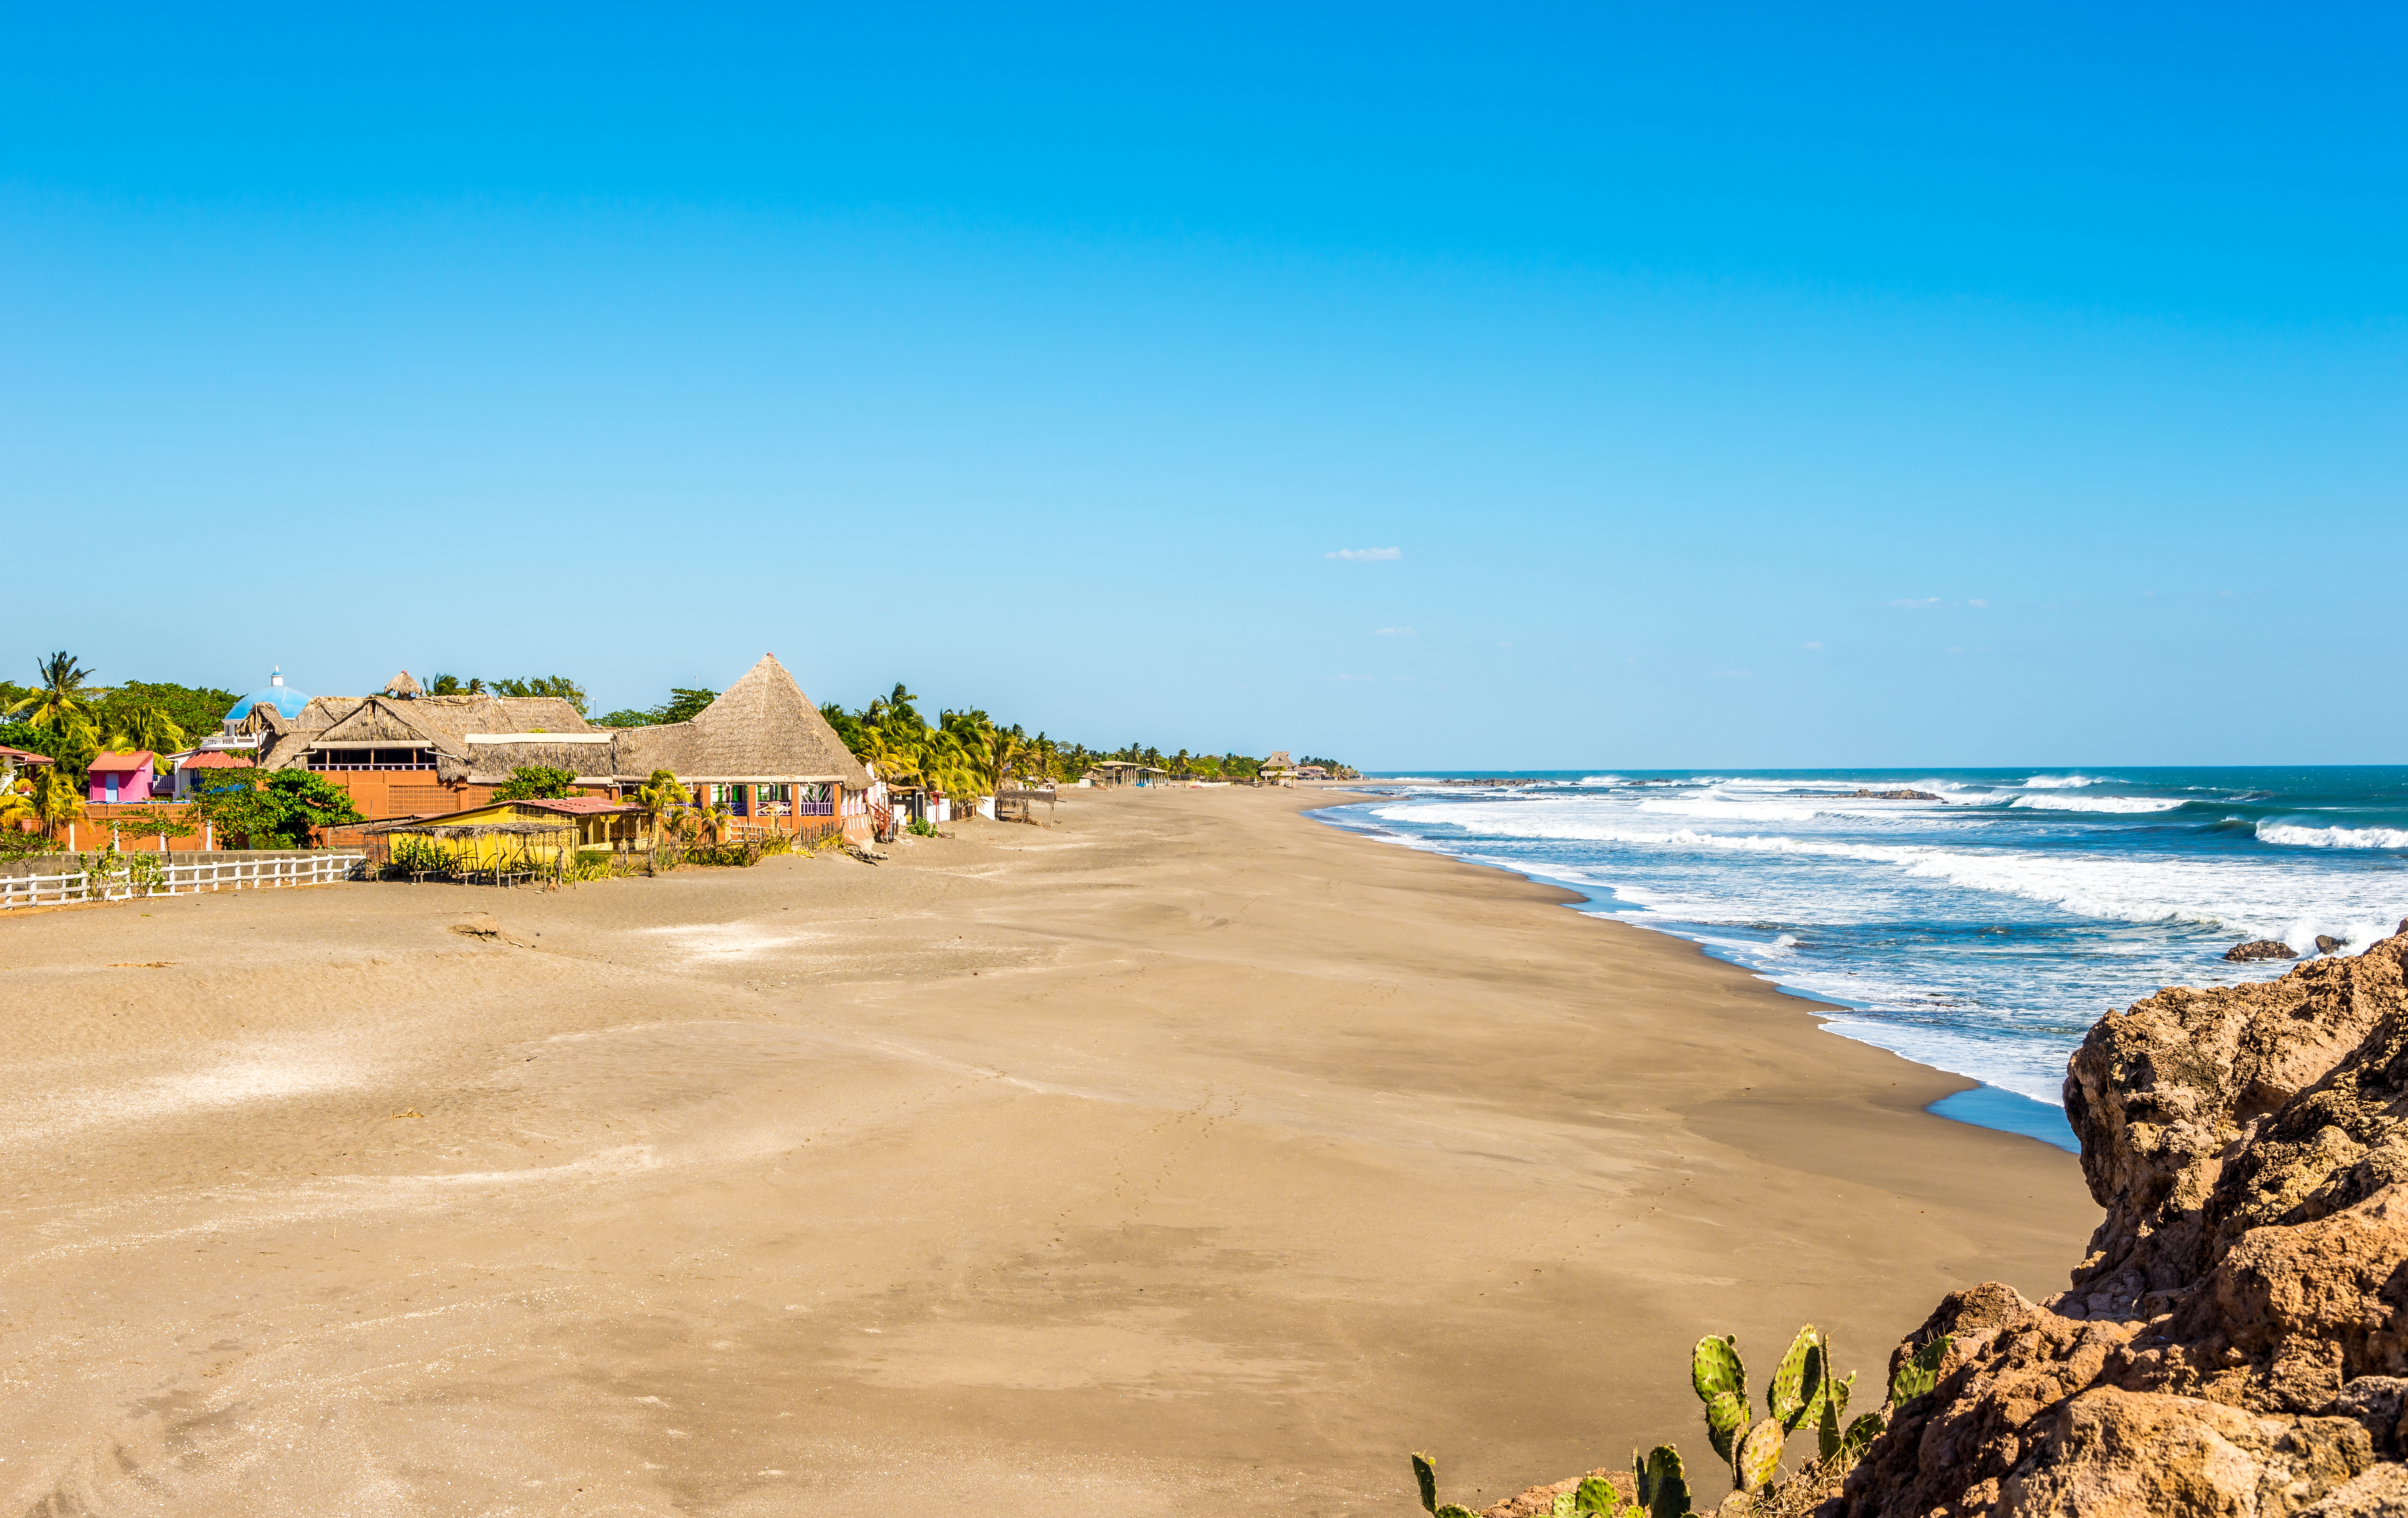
(474, 739)
(761, 728)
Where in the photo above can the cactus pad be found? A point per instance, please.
(1716, 1369)
(1919, 1373)
(1596, 1495)
(1859, 1437)
(1759, 1456)
(1426, 1476)
(1662, 1486)
(1797, 1381)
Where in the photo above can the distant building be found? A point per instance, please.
(288, 702)
(1278, 766)
(1122, 772)
(190, 774)
(13, 760)
(761, 750)
(121, 778)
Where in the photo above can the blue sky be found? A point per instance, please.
(1934, 386)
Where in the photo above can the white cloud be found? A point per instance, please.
(1392, 632)
(1817, 647)
(1978, 601)
(1362, 555)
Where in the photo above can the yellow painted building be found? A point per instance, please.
(517, 835)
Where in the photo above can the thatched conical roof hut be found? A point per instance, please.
(761, 728)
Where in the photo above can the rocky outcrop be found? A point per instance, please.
(1890, 796)
(2260, 949)
(2233, 1342)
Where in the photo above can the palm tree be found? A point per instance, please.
(59, 702)
(148, 728)
(661, 798)
(57, 799)
(702, 817)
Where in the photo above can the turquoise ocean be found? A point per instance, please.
(1980, 931)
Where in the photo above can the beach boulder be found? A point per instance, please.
(2260, 949)
(2233, 1341)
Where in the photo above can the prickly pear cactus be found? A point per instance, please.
(1594, 1494)
(1828, 1437)
(1797, 1380)
(1426, 1478)
(1919, 1374)
(1759, 1457)
(1860, 1435)
(1662, 1486)
(1720, 1377)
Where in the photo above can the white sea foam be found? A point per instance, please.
(1749, 811)
(2045, 802)
(2131, 888)
(2332, 838)
(1882, 905)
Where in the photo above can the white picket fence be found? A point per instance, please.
(172, 880)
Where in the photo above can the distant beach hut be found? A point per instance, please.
(116, 777)
(1122, 772)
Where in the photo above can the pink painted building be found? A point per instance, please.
(122, 776)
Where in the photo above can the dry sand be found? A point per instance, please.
(1186, 1157)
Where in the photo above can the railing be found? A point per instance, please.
(754, 830)
(143, 878)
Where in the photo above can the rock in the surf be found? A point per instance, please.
(2326, 944)
(2260, 949)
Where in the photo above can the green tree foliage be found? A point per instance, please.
(560, 685)
(532, 782)
(274, 809)
(454, 685)
(61, 695)
(683, 705)
(193, 710)
(69, 719)
(970, 752)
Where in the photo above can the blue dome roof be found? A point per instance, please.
(287, 701)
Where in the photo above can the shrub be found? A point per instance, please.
(536, 782)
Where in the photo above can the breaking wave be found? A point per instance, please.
(2099, 803)
(2332, 838)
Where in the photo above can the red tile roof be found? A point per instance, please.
(215, 759)
(136, 760)
(23, 757)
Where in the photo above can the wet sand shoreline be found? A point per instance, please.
(1191, 1152)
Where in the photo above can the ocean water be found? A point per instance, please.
(1980, 931)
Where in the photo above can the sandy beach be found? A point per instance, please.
(1188, 1156)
